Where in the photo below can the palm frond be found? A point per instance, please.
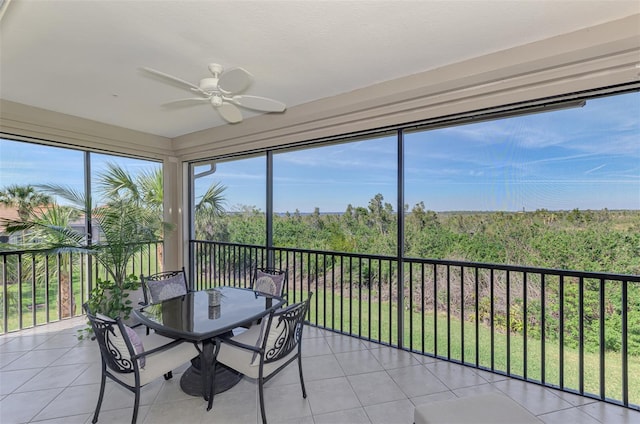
(116, 182)
(68, 193)
(213, 199)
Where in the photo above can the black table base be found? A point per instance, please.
(191, 380)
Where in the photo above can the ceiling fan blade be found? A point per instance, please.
(178, 82)
(235, 80)
(186, 102)
(262, 104)
(229, 113)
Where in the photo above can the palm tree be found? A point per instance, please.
(23, 198)
(127, 227)
(207, 208)
(55, 216)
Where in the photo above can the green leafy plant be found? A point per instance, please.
(111, 299)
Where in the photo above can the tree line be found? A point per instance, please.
(583, 240)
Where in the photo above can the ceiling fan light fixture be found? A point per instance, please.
(216, 100)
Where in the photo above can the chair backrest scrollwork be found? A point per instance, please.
(284, 331)
(115, 348)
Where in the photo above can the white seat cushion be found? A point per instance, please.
(490, 408)
(241, 359)
(160, 363)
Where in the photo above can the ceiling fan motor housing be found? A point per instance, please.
(209, 85)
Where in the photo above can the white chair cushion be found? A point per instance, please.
(160, 363)
(242, 359)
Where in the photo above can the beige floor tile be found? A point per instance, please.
(424, 359)
(192, 410)
(91, 374)
(233, 408)
(116, 396)
(119, 416)
(22, 407)
(489, 376)
(391, 358)
(349, 416)
(535, 398)
(315, 347)
(607, 413)
(575, 400)
(312, 332)
(5, 338)
(8, 357)
(397, 412)
(418, 400)
(358, 362)
(80, 355)
(36, 359)
(455, 376)
(572, 415)
(298, 420)
(331, 395)
(11, 380)
(320, 367)
(74, 419)
(285, 402)
(52, 377)
(476, 390)
(247, 384)
(289, 375)
(75, 400)
(375, 387)
(59, 341)
(23, 343)
(169, 390)
(417, 381)
(339, 343)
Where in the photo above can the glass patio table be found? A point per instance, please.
(200, 317)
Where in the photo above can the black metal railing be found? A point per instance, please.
(568, 330)
(39, 287)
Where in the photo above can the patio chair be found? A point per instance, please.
(270, 281)
(164, 285)
(133, 361)
(264, 350)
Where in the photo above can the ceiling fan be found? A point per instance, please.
(222, 91)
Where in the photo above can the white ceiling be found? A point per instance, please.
(82, 57)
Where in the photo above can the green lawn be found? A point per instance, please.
(37, 292)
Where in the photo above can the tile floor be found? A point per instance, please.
(48, 376)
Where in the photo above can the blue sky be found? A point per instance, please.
(26, 163)
(586, 158)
